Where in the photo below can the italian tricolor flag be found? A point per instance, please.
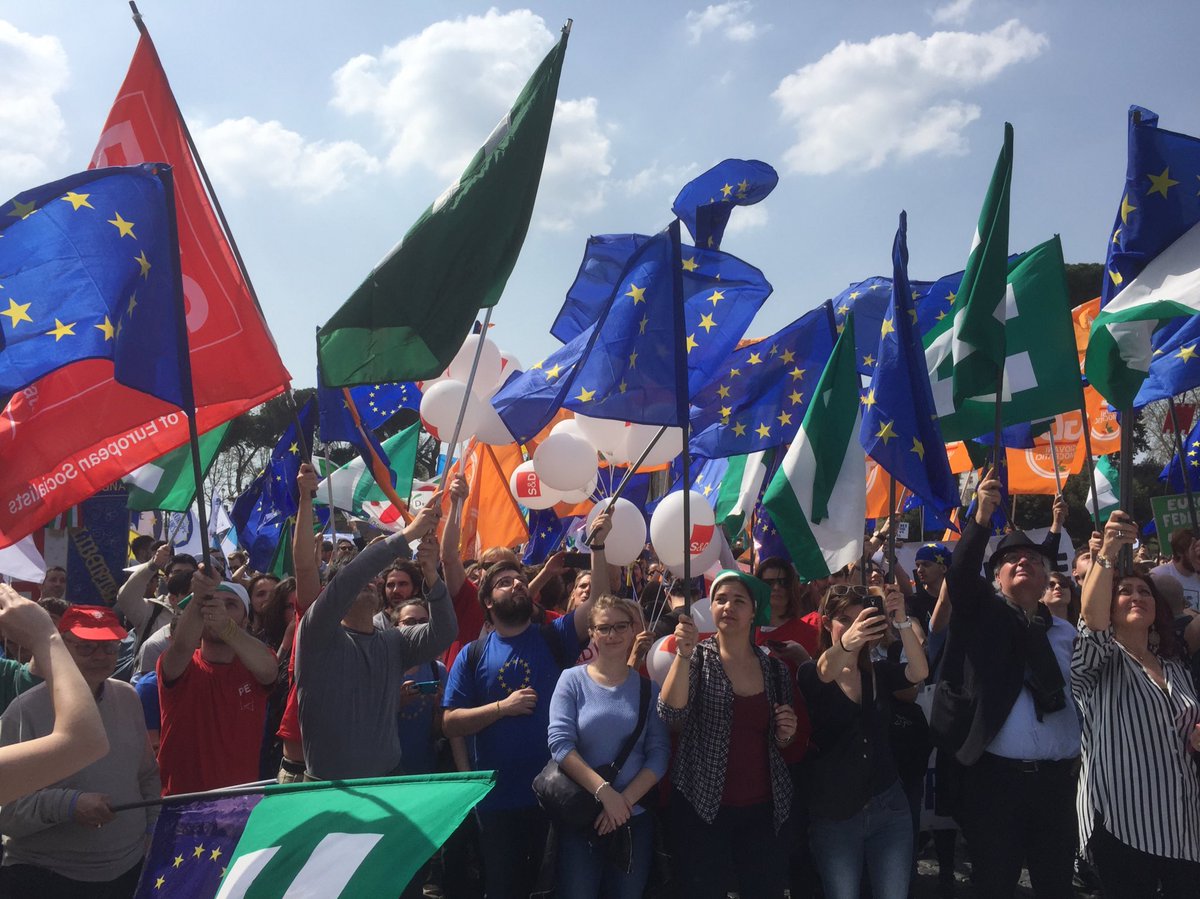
(818, 495)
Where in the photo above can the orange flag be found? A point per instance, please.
(491, 516)
(1032, 470)
(879, 484)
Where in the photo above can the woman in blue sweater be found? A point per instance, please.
(593, 711)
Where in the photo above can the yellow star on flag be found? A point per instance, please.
(294, 449)
(762, 430)
(888, 328)
(552, 372)
(919, 449)
(855, 295)
(707, 489)
(691, 342)
(784, 418)
(23, 210)
(60, 330)
(1187, 353)
(215, 854)
(141, 260)
(198, 851)
(125, 228)
(951, 296)
(638, 294)
(788, 357)
(535, 365)
(886, 432)
(868, 360)
(743, 186)
(17, 312)
(843, 309)
(159, 883)
(707, 323)
(940, 315)
(77, 200)
(796, 397)
(622, 386)
(178, 861)
(869, 399)
(689, 265)
(734, 372)
(726, 411)
(716, 297)
(1116, 276)
(797, 373)
(106, 329)
(1160, 184)
(723, 392)
(726, 190)
(1126, 208)
(132, 305)
(1117, 237)
(754, 359)
(739, 429)
(585, 395)
(633, 359)
(642, 324)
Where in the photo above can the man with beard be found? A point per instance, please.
(213, 683)
(149, 615)
(350, 672)
(499, 692)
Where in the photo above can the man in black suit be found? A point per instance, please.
(1005, 711)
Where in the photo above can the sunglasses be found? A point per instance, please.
(781, 581)
(850, 590)
(88, 648)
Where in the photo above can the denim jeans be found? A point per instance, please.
(513, 842)
(879, 836)
(583, 872)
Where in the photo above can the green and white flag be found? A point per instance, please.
(977, 347)
(1107, 480)
(1041, 368)
(353, 484)
(740, 488)
(818, 497)
(1119, 351)
(168, 483)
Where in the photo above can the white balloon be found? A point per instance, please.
(666, 528)
(638, 437)
(509, 364)
(569, 426)
(487, 373)
(529, 489)
(605, 434)
(702, 617)
(565, 461)
(440, 405)
(627, 539)
(583, 493)
(660, 658)
(491, 428)
(702, 563)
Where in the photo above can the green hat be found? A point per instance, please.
(760, 593)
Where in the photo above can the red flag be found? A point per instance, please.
(77, 430)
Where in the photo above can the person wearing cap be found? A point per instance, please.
(1004, 710)
(213, 683)
(732, 791)
(66, 839)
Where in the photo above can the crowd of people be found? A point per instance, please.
(794, 743)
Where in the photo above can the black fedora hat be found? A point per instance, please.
(1018, 540)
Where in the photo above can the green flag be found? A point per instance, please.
(408, 318)
(978, 327)
(352, 484)
(1041, 368)
(168, 483)
(347, 838)
(818, 497)
(740, 488)
(1107, 481)
(282, 562)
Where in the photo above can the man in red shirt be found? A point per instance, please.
(213, 683)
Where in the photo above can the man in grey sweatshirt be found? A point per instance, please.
(349, 672)
(66, 837)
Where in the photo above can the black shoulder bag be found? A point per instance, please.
(567, 803)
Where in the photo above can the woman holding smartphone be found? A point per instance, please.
(858, 813)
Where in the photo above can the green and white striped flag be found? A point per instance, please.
(1041, 369)
(168, 483)
(740, 488)
(1107, 481)
(1119, 350)
(352, 484)
(818, 497)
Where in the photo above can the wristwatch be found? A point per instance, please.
(904, 625)
(1103, 562)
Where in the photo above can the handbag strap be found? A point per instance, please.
(631, 740)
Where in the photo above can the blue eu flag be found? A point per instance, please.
(1175, 470)
(1175, 366)
(90, 270)
(629, 365)
(721, 296)
(899, 427)
(707, 201)
(350, 414)
(260, 512)
(763, 389)
(546, 531)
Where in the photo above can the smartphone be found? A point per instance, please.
(578, 560)
(427, 687)
(874, 598)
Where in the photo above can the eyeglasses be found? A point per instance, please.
(781, 581)
(850, 590)
(88, 648)
(1015, 557)
(607, 630)
(413, 622)
(504, 583)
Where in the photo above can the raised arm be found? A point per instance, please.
(677, 688)
(304, 559)
(964, 583)
(78, 737)
(131, 598)
(940, 619)
(601, 528)
(428, 641)
(452, 565)
(1096, 611)
(917, 668)
(188, 630)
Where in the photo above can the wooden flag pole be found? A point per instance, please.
(1054, 462)
(462, 410)
(891, 540)
(1125, 491)
(1091, 465)
(1187, 482)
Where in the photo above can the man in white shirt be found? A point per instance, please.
(1184, 565)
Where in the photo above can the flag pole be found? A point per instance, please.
(891, 540)
(1187, 482)
(462, 410)
(240, 790)
(1054, 463)
(1090, 463)
(165, 175)
(1125, 491)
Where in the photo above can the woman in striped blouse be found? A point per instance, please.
(1139, 795)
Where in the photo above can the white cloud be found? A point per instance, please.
(731, 20)
(747, 218)
(245, 152)
(435, 96)
(655, 178)
(952, 13)
(33, 135)
(894, 96)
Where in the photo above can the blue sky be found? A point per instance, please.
(327, 130)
